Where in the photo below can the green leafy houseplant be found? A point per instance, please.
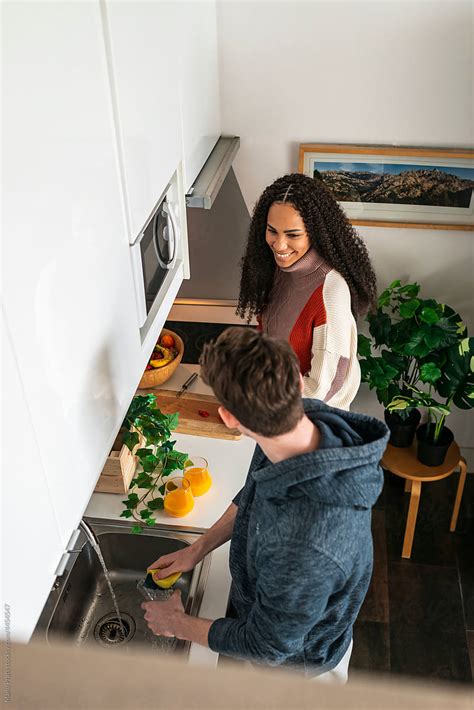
(157, 459)
(418, 355)
(411, 335)
(452, 379)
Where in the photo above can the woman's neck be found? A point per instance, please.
(308, 264)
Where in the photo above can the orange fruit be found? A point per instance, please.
(167, 341)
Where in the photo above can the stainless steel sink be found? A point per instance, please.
(80, 606)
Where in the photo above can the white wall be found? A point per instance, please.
(356, 72)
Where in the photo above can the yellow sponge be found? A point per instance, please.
(165, 583)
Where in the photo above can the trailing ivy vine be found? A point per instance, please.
(157, 459)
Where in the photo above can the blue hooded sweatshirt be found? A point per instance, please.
(301, 551)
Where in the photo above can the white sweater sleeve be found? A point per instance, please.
(334, 376)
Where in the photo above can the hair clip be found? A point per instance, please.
(286, 193)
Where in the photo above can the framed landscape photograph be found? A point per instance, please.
(425, 188)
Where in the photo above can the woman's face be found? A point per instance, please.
(286, 234)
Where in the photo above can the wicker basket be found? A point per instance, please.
(154, 378)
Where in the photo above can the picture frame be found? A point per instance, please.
(403, 187)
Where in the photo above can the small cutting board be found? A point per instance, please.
(190, 421)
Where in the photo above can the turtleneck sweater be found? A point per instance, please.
(310, 306)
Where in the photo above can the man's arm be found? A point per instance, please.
(167, 618)
(293, 588)
(219, 533)
(187, 558)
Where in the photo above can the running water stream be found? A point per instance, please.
(109, 582)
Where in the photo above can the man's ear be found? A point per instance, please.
(229, 420)
(301, 383)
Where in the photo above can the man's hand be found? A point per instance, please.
(163, 617)
(167, 618)
(180, 561)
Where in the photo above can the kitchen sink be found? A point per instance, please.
(80, 607)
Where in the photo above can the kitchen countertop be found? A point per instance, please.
(228, 465)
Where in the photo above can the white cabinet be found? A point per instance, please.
(30, 534)
(95, 96)
(144, 57)
(164, 67)
(199, 84)
(68, 289)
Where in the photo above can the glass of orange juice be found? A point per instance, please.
(179, 499)
(197, 473)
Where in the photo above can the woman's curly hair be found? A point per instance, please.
(330, 233)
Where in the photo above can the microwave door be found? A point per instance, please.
(153, 255)
(148, 274)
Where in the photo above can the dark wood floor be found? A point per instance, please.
(418, 616)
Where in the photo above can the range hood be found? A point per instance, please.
(217, 232)
(209, 181)
(216, 240)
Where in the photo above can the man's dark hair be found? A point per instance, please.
(256, 378)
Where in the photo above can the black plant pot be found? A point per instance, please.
(429, 452)
(402, 431)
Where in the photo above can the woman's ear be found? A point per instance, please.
(229, 420)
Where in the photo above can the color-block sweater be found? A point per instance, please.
(310, 306)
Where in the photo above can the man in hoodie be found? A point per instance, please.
(301, 544)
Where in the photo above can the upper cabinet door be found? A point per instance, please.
(68, 289)
(144, 58)
(199, 84)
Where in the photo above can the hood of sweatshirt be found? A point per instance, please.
(343, 471)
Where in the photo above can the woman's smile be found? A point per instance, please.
(283, 256)
(286, 234)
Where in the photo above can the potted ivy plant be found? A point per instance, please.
(452, 379)
(407, 335)
(157, 459)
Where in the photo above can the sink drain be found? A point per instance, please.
(108, 631)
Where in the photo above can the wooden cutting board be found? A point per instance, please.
(190, 421)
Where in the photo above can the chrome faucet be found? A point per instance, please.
(71, 546)
(90, 534)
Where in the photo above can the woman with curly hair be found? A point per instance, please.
(306, 276)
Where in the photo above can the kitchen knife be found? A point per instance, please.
(187, 384)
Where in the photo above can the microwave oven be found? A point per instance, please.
(156, 253)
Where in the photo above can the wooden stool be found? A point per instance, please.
(403, 463)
